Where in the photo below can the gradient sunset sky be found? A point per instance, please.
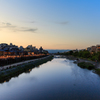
(53, 24)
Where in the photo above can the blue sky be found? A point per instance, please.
(53, 24)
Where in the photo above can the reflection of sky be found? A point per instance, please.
(63, 24)
(56, 79)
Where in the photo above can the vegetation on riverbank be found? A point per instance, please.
(97, 71)
(84, 59)
(14, 71)
(86, 65)
(83, 54)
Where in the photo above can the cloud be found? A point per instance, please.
(6, 25)
(62, 23)
(16, 28)
(29, 22)
(27, 29)
(32, 22)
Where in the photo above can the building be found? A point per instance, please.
(93, 49)
(88, 49)
(1, 52)
(28, 50)
(9, 49)
(13, 47)
(97, 48)
(21, 48)
(3, 45)
(30, 47)
(41, 49)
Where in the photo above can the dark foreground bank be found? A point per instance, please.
(14, 71)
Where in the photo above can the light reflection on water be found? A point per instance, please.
(59, 79)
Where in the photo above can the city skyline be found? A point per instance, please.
(53, 24)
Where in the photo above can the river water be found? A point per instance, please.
(59, 79)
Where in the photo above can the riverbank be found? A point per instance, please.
(80, 62)
(16, 59)
(21, 62)
(14, 71)
(58, 79)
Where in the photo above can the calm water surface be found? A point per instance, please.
(59, 79)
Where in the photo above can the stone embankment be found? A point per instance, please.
(20, 63)
(14, 70)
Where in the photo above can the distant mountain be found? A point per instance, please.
(56, 50)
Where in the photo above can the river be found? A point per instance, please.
(59, 79)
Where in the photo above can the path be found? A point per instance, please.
(19, 63)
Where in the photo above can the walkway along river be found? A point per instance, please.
(13, 70)
(59, 79)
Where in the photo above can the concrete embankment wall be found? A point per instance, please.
(23, 62)
(11, 60)
(16, 69)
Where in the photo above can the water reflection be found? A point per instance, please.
(59, 79)
(15, 72)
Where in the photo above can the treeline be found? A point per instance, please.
(83, 54)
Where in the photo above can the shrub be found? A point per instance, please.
(97, 71)
(86, 65)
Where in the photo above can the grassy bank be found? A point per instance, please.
(84, 54)
(86, 65)
(97, 71)
(14, 71)
(84, 62)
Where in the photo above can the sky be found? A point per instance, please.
(52, 24)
